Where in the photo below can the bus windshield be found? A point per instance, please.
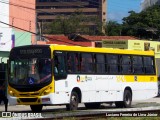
(30, 71)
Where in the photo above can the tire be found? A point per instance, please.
(36, 108)
(74, 100)
(127, 99)
(92, 105)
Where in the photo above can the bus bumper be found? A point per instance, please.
(49, 99)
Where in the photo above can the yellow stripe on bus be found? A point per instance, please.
(136, 78)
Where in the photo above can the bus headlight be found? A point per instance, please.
(11, 93)
(47, 91)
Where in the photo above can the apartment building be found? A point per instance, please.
(147, 3)
(49, 10)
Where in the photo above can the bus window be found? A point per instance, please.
(59, 66)
(113, 64)
(126, 67)
(76, 63)
(149, 65)
(72, 62)
(137, 65)
(70, 65)
(100, 63)
(86, 63)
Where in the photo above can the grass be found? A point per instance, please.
(115, 118)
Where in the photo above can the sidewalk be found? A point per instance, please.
(156, 100)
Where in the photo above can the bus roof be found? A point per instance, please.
(78, 48)
(100, 50)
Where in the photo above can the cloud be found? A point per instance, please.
(142, 1)
(116, 16)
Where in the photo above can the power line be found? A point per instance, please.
(38, 34)
(27, 2)
(11, 3)
(24, 37)
(16, 18)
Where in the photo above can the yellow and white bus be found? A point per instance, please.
(42, 75)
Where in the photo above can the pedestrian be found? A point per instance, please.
(3, 96)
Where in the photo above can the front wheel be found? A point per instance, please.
(36, 108)
(74, 100)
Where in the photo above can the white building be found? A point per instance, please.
(147, 3)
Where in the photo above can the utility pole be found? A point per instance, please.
(0, 36)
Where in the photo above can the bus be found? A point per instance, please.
(41, 75)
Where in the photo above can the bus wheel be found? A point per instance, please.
(36, 108)
(92, 105)
(127, 99)
(74, 100)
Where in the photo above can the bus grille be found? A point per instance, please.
(31, 94)
(28, 99)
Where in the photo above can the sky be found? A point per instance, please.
(117, 9)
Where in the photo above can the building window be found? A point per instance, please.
(98, 44)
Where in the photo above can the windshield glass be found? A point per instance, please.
(30, 71)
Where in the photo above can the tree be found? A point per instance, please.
(75, 23)
(113, 28)
(145, 24)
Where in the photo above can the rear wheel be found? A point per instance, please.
(92, 105)
(36, 108)
(74, 100)
(127, 100)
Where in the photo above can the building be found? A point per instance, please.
(84, 40)
(17, 23)
(147, 3)
(49, 10)
(22, 15)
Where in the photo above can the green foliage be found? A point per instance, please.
(113, 28)
(75, 23)
(145, 24)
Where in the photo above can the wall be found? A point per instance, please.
(145, 45)
(122, 44)
(5, 31)
(23, 15)
(22, 38)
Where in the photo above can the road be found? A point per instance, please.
(24, 108)
(55, 112)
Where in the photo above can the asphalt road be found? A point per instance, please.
(25, 108)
